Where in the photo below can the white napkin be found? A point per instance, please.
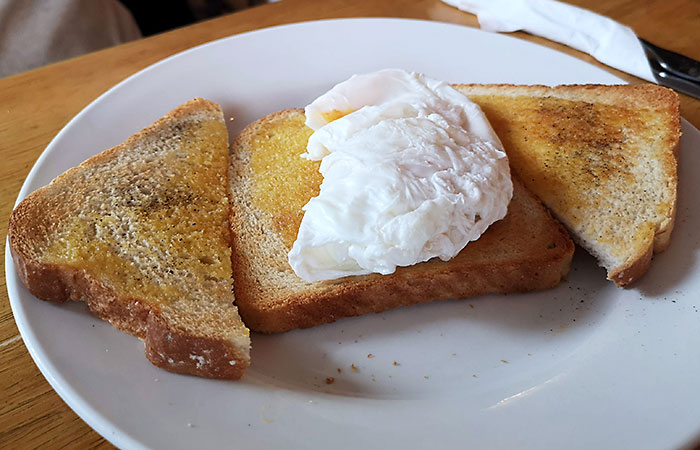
(607, 41)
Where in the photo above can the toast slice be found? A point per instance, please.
(270, 182)
(140, 233)
(602, 158)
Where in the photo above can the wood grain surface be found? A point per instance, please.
(35, 105)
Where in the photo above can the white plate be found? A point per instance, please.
(586, 365)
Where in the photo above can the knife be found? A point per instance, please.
(672, 69)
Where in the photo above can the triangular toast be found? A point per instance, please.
(140, 233)
(602, 158)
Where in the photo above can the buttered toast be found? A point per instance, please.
(140, 233)
(602, 158)
(270, 183)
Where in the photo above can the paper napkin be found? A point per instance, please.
(609, 42)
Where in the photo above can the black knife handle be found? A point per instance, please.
(675, 63)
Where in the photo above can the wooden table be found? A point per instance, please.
(35, 105)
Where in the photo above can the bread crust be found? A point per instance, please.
(622, 95)
(375, 295)
(167, 345)
(207, 357)
(632, 97)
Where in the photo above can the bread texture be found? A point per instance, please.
(140, 233)
(527, 250)
(602, 158)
